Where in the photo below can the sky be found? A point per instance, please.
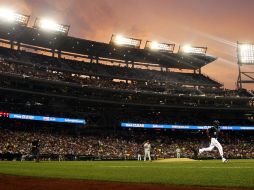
(216, 24)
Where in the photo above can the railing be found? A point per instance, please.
(211, 78)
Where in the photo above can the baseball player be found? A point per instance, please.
(139, 152)
(147, 149)
(139, 157)
(35, 150)
(213, 134)
(178, 152)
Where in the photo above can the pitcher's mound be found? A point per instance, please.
(175, 160)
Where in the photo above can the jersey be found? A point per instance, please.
(214, 132)
(178, 150)
(35, 146)
(147, 146)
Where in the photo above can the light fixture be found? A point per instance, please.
(192, 50)
(50, 25)
(245, 53)
(124, 41)
(162, 47)
(9, 16)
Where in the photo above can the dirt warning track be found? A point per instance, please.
(8, 182)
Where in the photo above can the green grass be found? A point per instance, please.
(236, 173)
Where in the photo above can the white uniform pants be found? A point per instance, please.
(139, 156)
(147, 154)
(214, 143)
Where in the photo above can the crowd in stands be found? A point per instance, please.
(50, 74)
(136, 86)
(105, 70)
(33, 65)
(74, 89)
(121, 147)
(29, 64)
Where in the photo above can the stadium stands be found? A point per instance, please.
(43, 67)
(14, 144)
(63, 76)
(100, 70)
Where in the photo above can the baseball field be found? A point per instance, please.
(199, 174)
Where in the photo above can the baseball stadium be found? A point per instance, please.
(129, 113)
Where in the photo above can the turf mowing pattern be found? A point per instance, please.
(236, 173)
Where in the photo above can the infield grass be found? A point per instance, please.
(236, 173)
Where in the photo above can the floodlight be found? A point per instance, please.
(50, 25)
(192, 50)
(9, 16)
(162, 47)
(245, 53)
(124, 41)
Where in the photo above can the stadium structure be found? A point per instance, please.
(65, 99)
(111, 90)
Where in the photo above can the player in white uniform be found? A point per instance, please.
(212, 134)
(139, 152)
(147, 149)
(178, 152)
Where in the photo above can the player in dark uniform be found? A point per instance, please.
(213, 134)
(35, 150)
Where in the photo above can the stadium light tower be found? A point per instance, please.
(245, 56)
(124, 41)
(160, 47)
(9, 16)
(188, 49)
(50, 25)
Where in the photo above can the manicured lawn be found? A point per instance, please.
(236, 173)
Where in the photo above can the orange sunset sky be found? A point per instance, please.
(217, 24)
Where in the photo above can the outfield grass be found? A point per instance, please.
(236, 173)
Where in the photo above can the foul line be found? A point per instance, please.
(205, 167)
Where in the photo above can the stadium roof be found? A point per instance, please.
(44, 39)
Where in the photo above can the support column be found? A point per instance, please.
(239, 80)
(59, 55)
